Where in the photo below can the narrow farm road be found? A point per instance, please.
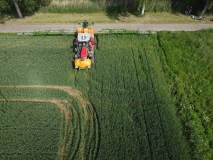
(98, 27)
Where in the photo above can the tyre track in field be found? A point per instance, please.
(86, 117)
(157, 103)
(143, 110)
(69, 90)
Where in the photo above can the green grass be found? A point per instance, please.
(187, 61)
(102, 17)
(29, 130)
(135, 92)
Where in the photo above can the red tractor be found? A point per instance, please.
(84, 48)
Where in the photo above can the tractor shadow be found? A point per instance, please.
(96, 42)
(72, 48)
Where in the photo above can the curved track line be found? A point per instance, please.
(66, 89)
(87, 117)
(58, 103)
(69, 90)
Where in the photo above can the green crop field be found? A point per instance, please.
(129, 105)
(29, 130)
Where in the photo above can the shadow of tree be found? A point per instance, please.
(7, 17)
(1, 19)
(113, 12)
(118, 8)
(13, 15)
(116, 12)
(27, 8)
(180, 6)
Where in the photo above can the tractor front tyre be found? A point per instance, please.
(91, 53)
(93, 60)
(76, 56)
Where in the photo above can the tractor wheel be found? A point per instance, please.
(93, 60)
(76, 56)
(91, 55)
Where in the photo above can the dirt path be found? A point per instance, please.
(98, 27)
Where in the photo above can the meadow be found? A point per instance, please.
(134, 103)
(188, 66)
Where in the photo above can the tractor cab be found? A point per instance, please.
(83, 44)
(83, 37)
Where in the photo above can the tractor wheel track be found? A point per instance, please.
(86, 116)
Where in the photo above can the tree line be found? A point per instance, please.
(24, 6)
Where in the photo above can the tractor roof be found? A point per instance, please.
(83, 37)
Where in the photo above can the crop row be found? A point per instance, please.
(35, 60)
(132, 101)
(132, 109)
(29, 130)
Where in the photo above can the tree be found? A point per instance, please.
(17, 9)
(210, 5)
(31, 6)
(4, 6)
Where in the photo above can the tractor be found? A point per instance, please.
(84, 47)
